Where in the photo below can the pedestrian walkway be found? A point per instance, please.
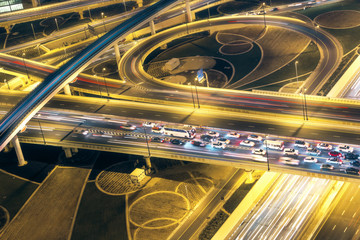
(49, 212)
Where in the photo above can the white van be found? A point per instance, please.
(274, 144)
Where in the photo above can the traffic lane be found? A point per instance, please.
(344, 220)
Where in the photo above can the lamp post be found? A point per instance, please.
(102, 16)
(27, 73)
(192, 94)
(267, 155)
(107, 90)
(56, 22)
(7, 83)
(42, 133)
(97, 81)
(263, 6)
(197, 95)
(147, 142)
(124, 5)
(316, 29)
(296, 71)
(306, 114)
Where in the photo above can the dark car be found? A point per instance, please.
(352, 156)
(206, 138)
(177, 141)
(198, 143)
(351, 170)
(335, 154)
(326, 166)
(355, 163)
(157, 139)
(313, 151)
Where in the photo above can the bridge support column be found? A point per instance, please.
(8, 147)
(34, 3)
(148, 162)
(67, 90)
(188, 11)
(21, 161)
(75, 150)
(117, 56)
(67, 152)
(250, 178)
(81, 13)
(152, 27)
(7, 28)
(139, 3)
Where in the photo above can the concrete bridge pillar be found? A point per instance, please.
(67, 152)
(152, 27)
(117, 56)
(21, 161)
(139, 3)
(34, 3)
(81, 13)
(250, 178)
(188, 11)
(8, 147)
(148, 162)
(8, 29)
(75, 150)
(67, 90)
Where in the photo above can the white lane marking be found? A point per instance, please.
(271, 128)
(140, 113)
(157, 115)
(345, 229)
(354, 215)
(334, 227)
(352, 197)
(343, 212)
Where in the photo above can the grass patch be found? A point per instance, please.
(100, 216)
(237, 197)
(213, 226)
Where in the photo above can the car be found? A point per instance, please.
(335, 154)
(334, 160)
(258, 151)
(149, 124)
(247, 143)
(177, 141)
(351, 156)
(351, 170)
(310, 160)
(251, 13)
(301, 144)
(206, 138)
(198, 143)
(213, 134)
(217, 144)
(324, 146)
(313, 151)
(262, 12)
(233, 135)
(84, 132)
(345, 149)
(223, 140)
(128, 126)
(289, 161)
(274, 9)
(326, 166)
(291, 152)
(254, 137)
(156, 129)
(355, 163)
(157, 139)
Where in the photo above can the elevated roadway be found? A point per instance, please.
(17, 118)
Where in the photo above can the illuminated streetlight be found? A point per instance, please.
(267, 155)
(102, 16)
(296, 72)
(306, 114)
(124, 5)
(56, 22)
(42, 133)
(27, 73)
(192, 94)
(107, 90)
(263, 6)
(197, 95)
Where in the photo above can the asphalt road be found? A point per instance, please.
(344, 220)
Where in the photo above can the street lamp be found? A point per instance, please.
(102, 16)
(27, 73)
(197, 95)
(267, 155)
(147, 142)
(42, 133)
(124, 5)
(306, 114)
(97, 81)
(296, 72)
(57, 26)
(6, 82)
(192, 94)
(316, 29)
(107, 90)
(263, 6)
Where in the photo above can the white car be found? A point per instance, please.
(259, 151)
(301, 144)
(247, 143)
(128, 126)
(291, 152)
(346, 149)
(310, 159)
(233, 135)
(213, 134)
(223, 140)
(290, 161)
(156, 129)
(218, 145)
(254, 137)
(324, 146)
(149, 124)
(334, 160)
